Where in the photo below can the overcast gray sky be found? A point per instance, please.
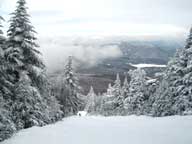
(107, 17)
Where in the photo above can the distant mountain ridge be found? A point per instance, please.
(133, 51)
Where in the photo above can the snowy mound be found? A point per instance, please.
(82, 113)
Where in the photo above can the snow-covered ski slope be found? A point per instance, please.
(110, 130)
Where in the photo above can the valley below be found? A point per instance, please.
(152, 55)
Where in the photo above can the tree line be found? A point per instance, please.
(171, 94)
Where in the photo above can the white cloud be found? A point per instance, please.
(100, 18)
(85, 50)
(63, 17)
(112, 28)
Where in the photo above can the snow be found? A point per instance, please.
(82, 113)
(151, 81)
(18, 38)
(110, 130)
(146, 65)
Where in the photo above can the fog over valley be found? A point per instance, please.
(57, 50)
(91, 51)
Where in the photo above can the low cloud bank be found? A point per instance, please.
(87, 51)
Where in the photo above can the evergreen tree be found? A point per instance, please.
(70, 96)
(30, 101)
(7, 127)
(5, 83)
(107, 103)
(135, 99)
(174, 94)
(98, 104)
(109, 90)
(107, 106)
(21, 47)
(29, 108)
(120, 97)
(120, 110)
(2, 38)
(117, 86)
(151, 87)
(189, 40)
(54, 108)
(113, 100)
(91, 102)
(125, 88)
(163, 101)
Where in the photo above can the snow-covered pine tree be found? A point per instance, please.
(70, 96)
(134, 102)
(170, 85)
(98, 104)
(91, 101)
(7, 127)
(116, 95)
(112, 100)
(117, 86)
(31, 95)
(151, 87)
(125, 88)
(174, 94)
(119, 99)
(21, 46)
(109, 90)
(54, 108)
(183, 103)
(28, 108)
(5, 83)
(120, 110)
(107, 105)
(2, 38)
(189, 40)
(163, 101)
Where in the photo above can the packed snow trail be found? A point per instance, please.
(110, 130)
